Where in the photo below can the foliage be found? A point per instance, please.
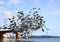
(32, 21)
(26, 23)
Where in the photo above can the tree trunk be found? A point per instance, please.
(18, 35)
(26, 37)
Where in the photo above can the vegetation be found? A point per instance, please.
(26, 24)
(32, 21)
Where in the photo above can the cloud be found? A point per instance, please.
(8, 14)
(2, 2)
(52, 12)
(14, 2)
(58, 27)
(5, 14)
(51, 1)
(10, 3)
(36, 1)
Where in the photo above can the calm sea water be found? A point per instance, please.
(38, 40)
(45, 39)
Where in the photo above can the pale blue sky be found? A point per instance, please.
(50, 9)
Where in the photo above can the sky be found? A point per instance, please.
(49, 9)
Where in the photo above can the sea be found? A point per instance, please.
(38, 39)
(45, 39)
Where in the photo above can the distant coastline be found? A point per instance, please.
(44, 37)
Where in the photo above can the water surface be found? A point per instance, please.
(35, 39)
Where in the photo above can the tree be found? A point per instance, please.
(27, 23)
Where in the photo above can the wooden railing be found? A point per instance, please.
(2, 32)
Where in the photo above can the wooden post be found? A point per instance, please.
(18, 35)
(1, 37)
